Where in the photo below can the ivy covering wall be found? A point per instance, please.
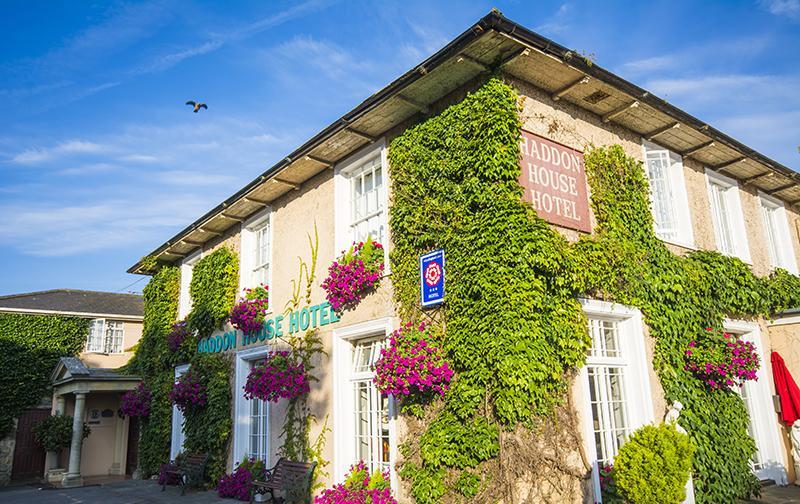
(155, 364)
(513, 328)
(213, 287)
(30, 346)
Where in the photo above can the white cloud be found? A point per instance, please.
(788, 8)
(70, 147)
(763, 89)
(558, 23)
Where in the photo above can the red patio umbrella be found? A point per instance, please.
(787, 390)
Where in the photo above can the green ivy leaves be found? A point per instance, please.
(215, 281)
(30, 346)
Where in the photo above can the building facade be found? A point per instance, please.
(707, 192)
(113, 326)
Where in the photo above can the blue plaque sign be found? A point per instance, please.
(431, 278)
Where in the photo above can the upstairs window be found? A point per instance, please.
(367, 201)
(185, 299)
(776, 234)
(256, 250)
(668, 199)
(726, 214)
(105, 336)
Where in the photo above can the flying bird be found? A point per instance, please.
(197, 106)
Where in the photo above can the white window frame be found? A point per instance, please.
(241, 424)
(185, 298)
(343, 428)
(342, 191)
(99, 347)
(786, 257)
(679, 199)
(178, 436)
(763, 418)
(741, 248)
(247, 248)
(638, 395)
(108, 341)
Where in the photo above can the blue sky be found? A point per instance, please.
(100, 160)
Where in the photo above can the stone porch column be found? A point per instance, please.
(51, 462)
(73, 477)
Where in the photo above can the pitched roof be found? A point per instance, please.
(75, 302)
(493, 42)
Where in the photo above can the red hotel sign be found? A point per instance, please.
(554, 180)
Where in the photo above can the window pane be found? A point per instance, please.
(371, 409)
(661, 198)
(722, 218)
(769, 215)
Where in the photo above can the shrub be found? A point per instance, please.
(239, 483)
(188, 393)
(721, 359)
(412, 363)
(247, 314)
(359, 488)
(279, 376)
(136, 402)
(54, 433)
(653, 465)
(356, 273)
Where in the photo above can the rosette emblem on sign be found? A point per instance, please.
(431, 278)
(433, 273)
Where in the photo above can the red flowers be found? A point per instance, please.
(355, 273)
(247, 314)
(277, 377)
(412, 363)
(239, 483)
(359, 488)
(721, 359)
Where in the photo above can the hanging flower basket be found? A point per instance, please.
(356, 273)
(247, 314)
(279, 376)
(412, 363)
(136, 402)
(721, 359)
(180, 331)
(359, 487)
(188, 393)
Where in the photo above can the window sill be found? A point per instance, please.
(678, 243)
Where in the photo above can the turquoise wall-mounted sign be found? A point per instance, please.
(304, 319)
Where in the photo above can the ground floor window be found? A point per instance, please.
(364, 428)
(178, 436)
(251, 434)
(616, 385)
(768, 461)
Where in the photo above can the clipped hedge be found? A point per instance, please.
(30, 346)
(653, 465)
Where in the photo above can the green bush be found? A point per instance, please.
(54, 433)
(215, 280)
(653, 465)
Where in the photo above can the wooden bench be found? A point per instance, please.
(292, 478)
(190, 470)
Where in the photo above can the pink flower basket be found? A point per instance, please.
(279, 376)
(359, 487)
(721, 359)
(355, 274)
(247, 314)
(136, 402)
(180, 331)
(188, 393)
(412, 363)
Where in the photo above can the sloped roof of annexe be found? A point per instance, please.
(85, 303)
(494, 41)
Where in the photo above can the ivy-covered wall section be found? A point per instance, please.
(207, 430)
(512, 326)
(30, 346)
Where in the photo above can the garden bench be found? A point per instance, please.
(190, 470)
(293, 478)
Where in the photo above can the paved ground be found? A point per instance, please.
(117, 492)
(140, 492)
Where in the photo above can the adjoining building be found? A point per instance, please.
(708, 192)
(103, 328)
